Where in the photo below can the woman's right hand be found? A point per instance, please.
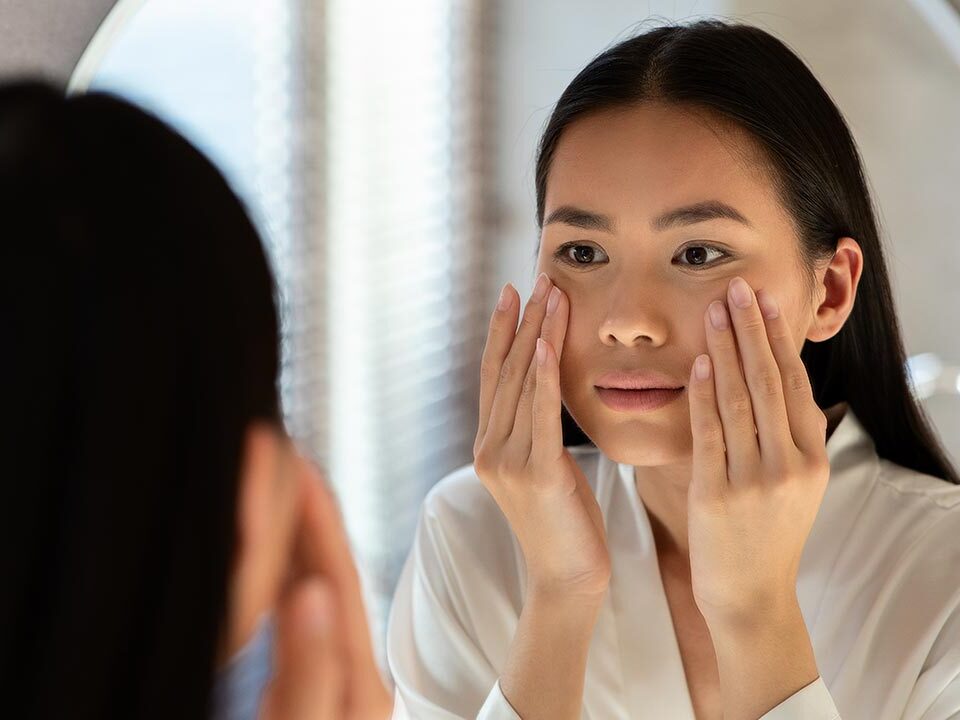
(519, 454)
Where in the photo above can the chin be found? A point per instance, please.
(639, 456)
(636, 440)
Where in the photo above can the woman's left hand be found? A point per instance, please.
(324, 664)
(751, 507)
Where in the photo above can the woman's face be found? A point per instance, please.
(638, 284)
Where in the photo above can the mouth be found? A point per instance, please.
(623, 400)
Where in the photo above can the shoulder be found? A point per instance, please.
(905, 537)
(908, 574)
(931, 506)
(930, 494)
(915, 512)
(909, 514)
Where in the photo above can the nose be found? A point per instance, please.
(633, 319)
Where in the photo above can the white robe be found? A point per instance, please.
(878, 587)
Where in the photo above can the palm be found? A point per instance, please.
(590, 534)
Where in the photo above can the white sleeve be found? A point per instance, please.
(495, 707)
(812, 702)
(439, 670)
(936, 693)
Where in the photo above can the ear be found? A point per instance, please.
(837, 291)
(258, 475)
(266, 499)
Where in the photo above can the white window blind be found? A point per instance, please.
(406, 248)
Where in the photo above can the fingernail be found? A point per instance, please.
(718, 315)
(702, 367)
(505, 298)
(740, 292)
(541, 352)
(768, 306)
(553, 301)
(540, 289)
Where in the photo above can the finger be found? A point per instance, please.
(308, 681)
(547, 432)
(733, 397)
(762, 375)
(326, 552)
(500, 335)
(514, 368)
(519, 441)
(709, 459)
(806, 419)
(555, 326)
(556, 313)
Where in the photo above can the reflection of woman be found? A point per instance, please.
(658, 573)
(153, 507)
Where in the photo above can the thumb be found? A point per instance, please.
(309, 675)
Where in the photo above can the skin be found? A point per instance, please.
(293, 559)
(640, 301)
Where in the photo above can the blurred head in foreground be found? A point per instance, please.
(149, 488)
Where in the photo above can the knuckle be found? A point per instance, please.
(753, 323)
(511, 466)
(813, 467)
(739, 405)
(785, 481)
(481, 461)
(798, 381)
(711, 434)
(725, 343)
(486, 460)
(766, 382)
(508, 369)
(477, 443)
(529, 386)
(489, 373)
(530, 318)
(778, 331)
(540, 415)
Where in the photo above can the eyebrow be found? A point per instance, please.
(686, 215)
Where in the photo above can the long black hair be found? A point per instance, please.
(746, 75)
(140, 339)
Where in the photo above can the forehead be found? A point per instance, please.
(634, 162)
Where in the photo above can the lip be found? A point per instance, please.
(637, 400)
(636, 380)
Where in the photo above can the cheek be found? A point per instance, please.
(572, 365)
(579, 356)
(798, 318)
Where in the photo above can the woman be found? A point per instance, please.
(775, 537)
(154, 510)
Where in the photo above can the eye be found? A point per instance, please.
(582, 255)
(698, 258)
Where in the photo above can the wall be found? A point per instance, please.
(891, 76)
(47, 37)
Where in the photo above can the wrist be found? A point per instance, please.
(565, 613)
(775, 622)
(543, 675)
(561, 595)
